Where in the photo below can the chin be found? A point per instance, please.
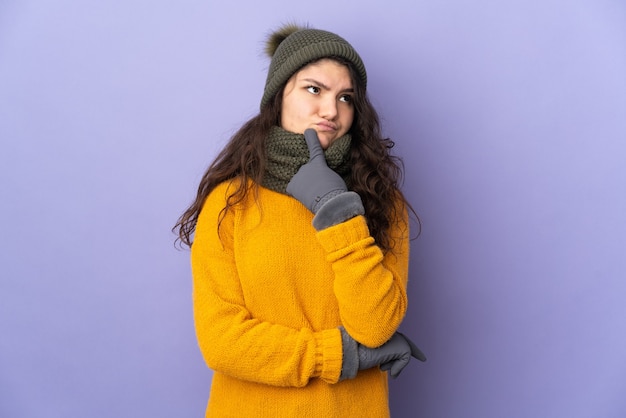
(325, 141)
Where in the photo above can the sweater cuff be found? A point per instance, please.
(328, 355)
(344, 234)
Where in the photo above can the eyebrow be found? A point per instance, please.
(325, 87)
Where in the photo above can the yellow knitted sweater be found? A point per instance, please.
(269, 293)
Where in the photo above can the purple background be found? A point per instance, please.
(511, 119)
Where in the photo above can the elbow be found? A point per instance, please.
(373, 333)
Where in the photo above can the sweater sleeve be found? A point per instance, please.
(370, 286)
(231, 340)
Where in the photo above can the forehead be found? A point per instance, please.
(326, 67)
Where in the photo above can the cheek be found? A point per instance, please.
(348, 118)
(293, 114)
(289, 119)
(286, 113)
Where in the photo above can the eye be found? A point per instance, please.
(313, 89)
(346, 98)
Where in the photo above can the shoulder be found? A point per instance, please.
(234, 196)
(400, 219)
(227, 193)
(217, 216)
(218, 200)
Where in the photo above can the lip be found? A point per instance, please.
(327, 126)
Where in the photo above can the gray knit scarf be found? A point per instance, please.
(287, 152)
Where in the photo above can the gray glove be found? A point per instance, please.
(393, 356)
(322, 190)
(315, 183)
(396, 366)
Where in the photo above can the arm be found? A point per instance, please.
(370, 287)
(231, 340)
(385, 299)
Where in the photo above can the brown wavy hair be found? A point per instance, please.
(375, 173)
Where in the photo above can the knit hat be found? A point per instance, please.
(292, 47)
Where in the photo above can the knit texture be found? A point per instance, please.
(287, 152)
(303, 47)
(269, 295)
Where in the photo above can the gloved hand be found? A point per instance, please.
(315, 183)
(394, 355)
(397, 365)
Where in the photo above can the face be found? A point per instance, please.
(319, 96)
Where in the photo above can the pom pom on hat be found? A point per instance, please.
(292, 47)
(282, 33)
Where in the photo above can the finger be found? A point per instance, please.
(415, 351)
(386, 366)
(313, 142)
(397, 366)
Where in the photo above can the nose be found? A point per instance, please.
(328, 108)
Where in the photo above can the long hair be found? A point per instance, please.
(375, 173)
